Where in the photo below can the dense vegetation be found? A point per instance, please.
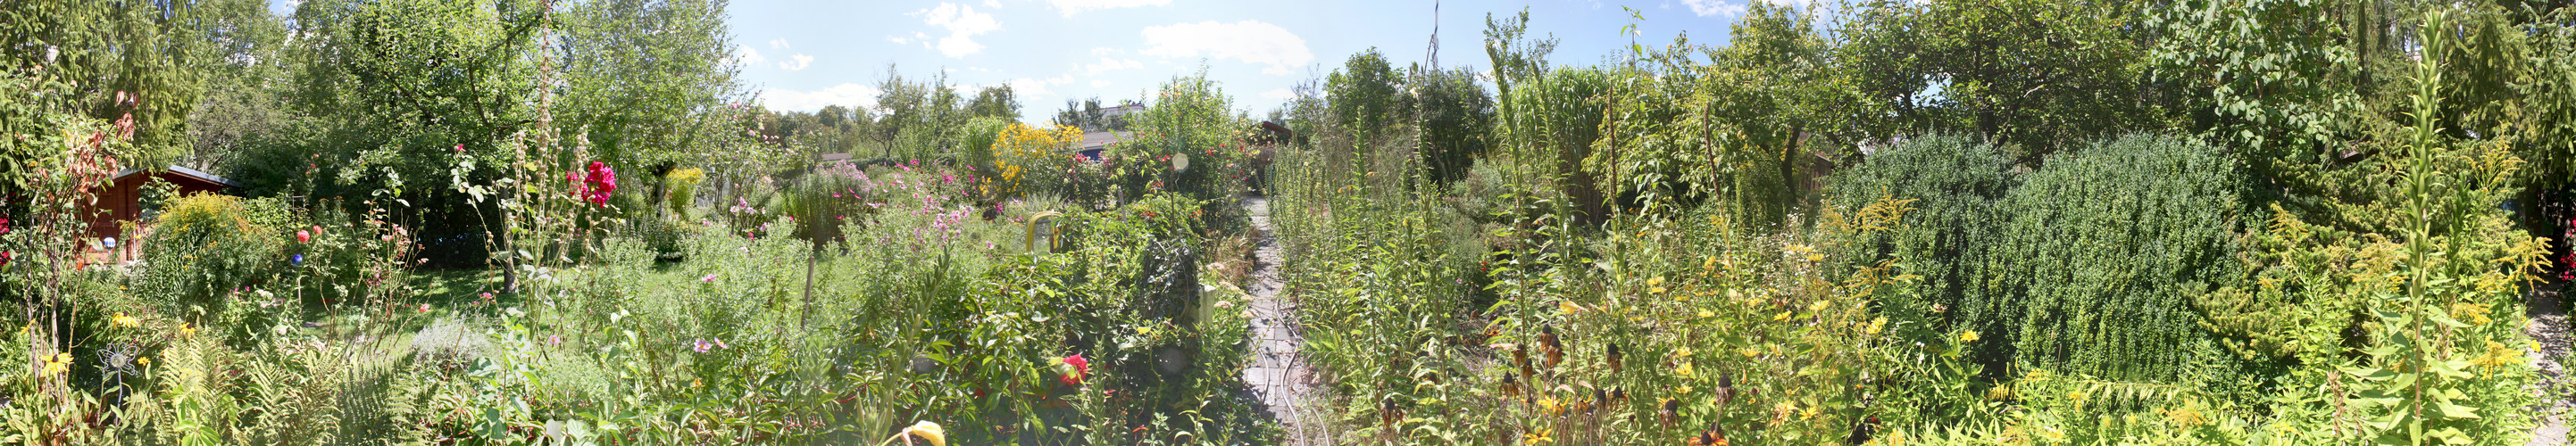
(1892, 222)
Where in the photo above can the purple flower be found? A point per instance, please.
(298, 259)
(701, 346)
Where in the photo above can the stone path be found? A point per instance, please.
(1278, 373)
(2548, 311)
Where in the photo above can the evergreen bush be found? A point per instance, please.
(2105, 249)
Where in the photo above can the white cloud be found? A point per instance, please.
(1073, 6)
(1279, 94)
(1251, 41)
(801, 61)
(1097, 83)
(846, 95)
(963, 24)
(898, 40)
(993, 4)
(1110, 64)
(778, 44)
(743, 54)
(1707, 8)
(1103, 51)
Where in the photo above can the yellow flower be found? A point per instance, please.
(143, 360)
(1656, 290)
(1550, 406)
(61, 362)
(1683, 370)
(1704, 314)
(1568, 307)
(185, 330)
(1657, 281)
(2077, 396)
(1751, 353)
(928, 431)
(1876, 324)
(123, 320)
(1536, 436)
(1968, 336)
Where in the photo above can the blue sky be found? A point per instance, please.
(805, 54)
(802, 55)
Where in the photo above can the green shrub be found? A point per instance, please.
(1957, 184)
(206, 245)
(2106, 247)
(683, 189)
(2086, 266)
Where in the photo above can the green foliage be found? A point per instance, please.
(997, 102)
(2036, 76)
(1958, 185)
(1456, 122)
(1368, 96)
(1552, 122)
(642, 78)
(2104, 249)
(975, 145)
(206, 246)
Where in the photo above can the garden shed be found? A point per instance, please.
(122, 201)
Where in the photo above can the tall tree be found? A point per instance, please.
(1367, 96)
(995, 102)
(645, 79)
(2035, 75)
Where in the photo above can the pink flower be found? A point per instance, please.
(424, 308)
(1081, 369)
(720, 344)
(599, 183)
(554, 339)
(710, 278)
(460, 148)
(701, 346)
(303, 237)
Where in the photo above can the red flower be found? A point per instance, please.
(1081, 369)
(303, 237)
